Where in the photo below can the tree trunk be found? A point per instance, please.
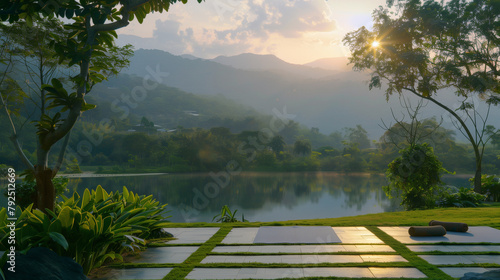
(477, 177)
(45, 192)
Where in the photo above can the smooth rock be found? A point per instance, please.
(490, 275)
(43, 264)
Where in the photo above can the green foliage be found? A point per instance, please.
(302, 148)
(421, 50)
(464, 197)
(490, 186)
(414, 176)
(26, 190)
(91, 228)
(226, 216)
(4, 170)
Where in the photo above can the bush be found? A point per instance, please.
(414, 176)
(490, 186)
(26, 190)
(463, 197)
(90, 229)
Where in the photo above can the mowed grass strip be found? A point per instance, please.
(181, 271)
(414, 260)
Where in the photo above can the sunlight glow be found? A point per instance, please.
(375, 44)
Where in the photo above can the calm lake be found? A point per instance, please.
(259, 196)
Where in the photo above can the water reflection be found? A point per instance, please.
(260, 196)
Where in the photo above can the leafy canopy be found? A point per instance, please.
(427, 46)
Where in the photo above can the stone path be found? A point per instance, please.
(318, 258)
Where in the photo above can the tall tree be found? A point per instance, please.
(416, 131)
(302, 148)
(430, 46)
(357, 135)
(93, 30)
(277, 144)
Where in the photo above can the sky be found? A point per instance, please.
(297, 31)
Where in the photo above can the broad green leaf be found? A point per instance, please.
(85, 198)
(66, 217)
(59, 239)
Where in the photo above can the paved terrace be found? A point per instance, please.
(306, 251)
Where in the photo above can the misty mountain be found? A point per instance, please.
(166, 106)
(339, 64)
(249, 61)
(329, 103)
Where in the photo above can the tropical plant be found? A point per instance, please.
(463, 197)
(490, 185)
(226, 216)
(90, 229)
(414, 176)
(26, 190)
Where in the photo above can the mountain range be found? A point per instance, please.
(325, 94)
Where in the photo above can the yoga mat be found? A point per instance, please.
(297, 234)
(449, 226)
(427, 231)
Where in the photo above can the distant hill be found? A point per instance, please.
(249, 61)
(329, 103)
(166, 106)
(334, 63)
(188, 56)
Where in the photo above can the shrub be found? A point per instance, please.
(490, 186)
(226, 216)
(26, 190)
(463, 197)
(90, 229)
(414, 176)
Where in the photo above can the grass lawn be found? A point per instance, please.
(487, 215)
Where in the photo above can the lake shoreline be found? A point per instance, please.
(91, 174)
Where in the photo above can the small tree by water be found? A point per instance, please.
(415, 176)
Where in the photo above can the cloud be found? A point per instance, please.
(231, 27)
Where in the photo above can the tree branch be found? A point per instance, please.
(60, 159)
(454, 114)
(21, 153)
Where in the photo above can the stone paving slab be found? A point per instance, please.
(165, 254)
(461, 259)
(296, 234)
(191, 235)
(303, 259)
(473, 235)
(458, 272)
(151, 273)
(356, 235)
(276, 273)
(396, 272)
(454, 248)
(298, 249)
(241, 235)
(359, 235)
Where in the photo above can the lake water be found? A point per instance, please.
(259, 196)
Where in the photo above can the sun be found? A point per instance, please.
(375, 44)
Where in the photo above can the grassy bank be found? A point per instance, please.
(486, 215)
